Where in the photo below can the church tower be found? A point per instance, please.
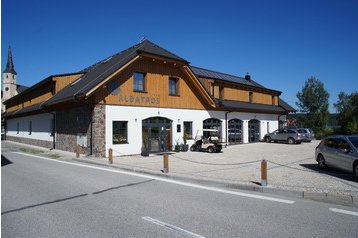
(9, 78)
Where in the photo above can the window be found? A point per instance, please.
(251, 97)
(138, 82)
(17, 128)
(173, 86)
(188, 129)
(178, 128)
(212, 89)
(221, 93)
(30, 127)
(273, 100)
(120, 132)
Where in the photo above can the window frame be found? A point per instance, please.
(190, 135)
(144, 90)
(251, 97)
(221, 93)
(126, 133)
(176, 80)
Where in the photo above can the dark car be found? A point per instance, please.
(338, 151)
(291, 136)
(307, 134)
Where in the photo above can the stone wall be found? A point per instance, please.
(28, 141)
(98, 131)
(76, 120)
(71, 122)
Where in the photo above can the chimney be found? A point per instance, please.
(247, 76)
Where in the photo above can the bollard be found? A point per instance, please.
(263, 173)
(77, 151)
(110, 156)
(165, 163)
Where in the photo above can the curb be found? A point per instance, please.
(334, 198)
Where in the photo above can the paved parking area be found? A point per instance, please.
(290, 167)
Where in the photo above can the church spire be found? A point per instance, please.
(9, 64)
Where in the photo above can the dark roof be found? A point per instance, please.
(9, 65)
(21, 88)
(99, 71)
(286, 106)
(246, 106)
(28, 109)
(206, 73)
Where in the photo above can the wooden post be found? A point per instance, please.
(77, 151)
(263, 173)
(110, 156)
(165, 163)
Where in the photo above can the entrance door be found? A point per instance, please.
(235, 131)
(156, 134)
(254, 130)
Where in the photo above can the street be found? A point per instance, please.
(54, 198)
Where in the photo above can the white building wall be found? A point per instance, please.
(135, 115)
(272, 119)
(41, 127)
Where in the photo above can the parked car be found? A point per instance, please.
(340, 152)
(307, 134)
(207, 140)
(291, 136)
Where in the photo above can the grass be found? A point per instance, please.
(31, 151)
(39, 152)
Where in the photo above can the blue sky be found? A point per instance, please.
(280, 43)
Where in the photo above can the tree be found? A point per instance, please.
(347, 107)
(313, 100)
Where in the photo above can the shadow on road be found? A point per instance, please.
(122, 186)
(331, 172)
(73, 197)
(44, 203)
(5, 161)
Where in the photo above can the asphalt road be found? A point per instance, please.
(51, 198)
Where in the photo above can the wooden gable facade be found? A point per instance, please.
(157, 73)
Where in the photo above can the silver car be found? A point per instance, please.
(292, 136)
(307, 134)
(340, 152)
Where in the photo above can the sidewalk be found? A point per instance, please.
(291, 172)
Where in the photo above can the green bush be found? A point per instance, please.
(323, 133)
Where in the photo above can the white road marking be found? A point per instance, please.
(168, 180)
(167, 225)
(344, 211)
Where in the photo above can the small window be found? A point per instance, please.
(221, 93)
(212, 89)
(251, 97)
(173, 86)
(138, 82)
(17, 128)
(178, 128)
(120, 132)
(30, 127)
(188, 129)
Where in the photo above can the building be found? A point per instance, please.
(10, 87)
(144, 97)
